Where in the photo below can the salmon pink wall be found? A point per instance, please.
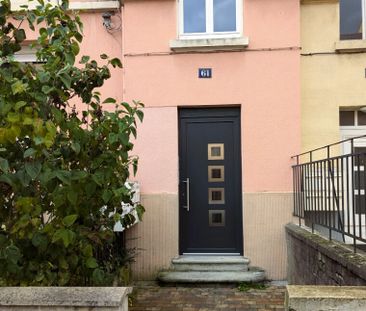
(97, 41)
(264, 83)
(157, 148)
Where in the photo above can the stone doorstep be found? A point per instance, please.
(173, 276)
(325, 298)
(210, 263)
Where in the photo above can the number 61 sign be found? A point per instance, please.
(205, 73)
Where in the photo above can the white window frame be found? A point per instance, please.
(363, 6)
(210, 34)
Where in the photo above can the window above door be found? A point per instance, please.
(210, 19)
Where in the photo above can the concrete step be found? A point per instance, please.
(210, 263)
(173, 276)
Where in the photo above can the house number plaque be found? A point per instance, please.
(205, 73)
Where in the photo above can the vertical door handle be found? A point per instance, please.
(187, 207)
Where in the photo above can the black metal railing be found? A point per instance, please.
(329, 185)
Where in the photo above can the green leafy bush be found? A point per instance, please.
(62, 171)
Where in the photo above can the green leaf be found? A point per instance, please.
(98, 276)
(98, 177)
(12, 254)
(90, 189)
(67, 236)
(70, 58)
(40, 240)
(47, 89)
(115, 62)
(69, 220)
(19, 35)
(19, 105)
(84, 59)
(23, 177)
(106, 196)
(140, 115)
(33, 169)
(72, 196)
(87, 250)
(109, 100)
(64, 176)
(76, 147)
(13, 117)
(4, 165)
(44, 77)
(7, 180)
(18, 87)
(29, 152)
(66, 79)
(91, 263)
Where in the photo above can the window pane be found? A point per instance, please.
(194, 16)
(346, 118)
(361, 118)
(224, 15)
(351, 19)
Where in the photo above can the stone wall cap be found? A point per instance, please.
(326, 292)
(63, 296)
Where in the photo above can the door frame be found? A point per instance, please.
(214, 112)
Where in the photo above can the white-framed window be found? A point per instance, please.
(210, 18)
(352, 15)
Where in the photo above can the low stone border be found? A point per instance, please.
(325, 298)
(314, 260)
(64, 298)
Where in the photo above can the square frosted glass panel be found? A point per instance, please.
(216, 151)
(216, 196)
(224, 15)
(346, 118)
(350, 19)
(194, 12)
(216, 173)
(216, 218)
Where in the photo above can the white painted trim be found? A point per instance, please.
(26, 55)
(84, 6)
(210, 34)
(209, 44)
(95, 5)
(363, 19)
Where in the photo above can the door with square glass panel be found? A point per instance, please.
(210, 201)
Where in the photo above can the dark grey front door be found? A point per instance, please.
(210, 181)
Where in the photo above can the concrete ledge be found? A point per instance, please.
(64, 298)
(349, 46)
(112, 5)
(324, 298)
(209, 44)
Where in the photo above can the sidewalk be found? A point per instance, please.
(151, 297)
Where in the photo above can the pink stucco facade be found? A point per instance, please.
(263, 80)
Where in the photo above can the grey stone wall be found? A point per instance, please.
(313, 260)
(64, 298)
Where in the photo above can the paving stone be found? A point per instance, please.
(151, 297)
